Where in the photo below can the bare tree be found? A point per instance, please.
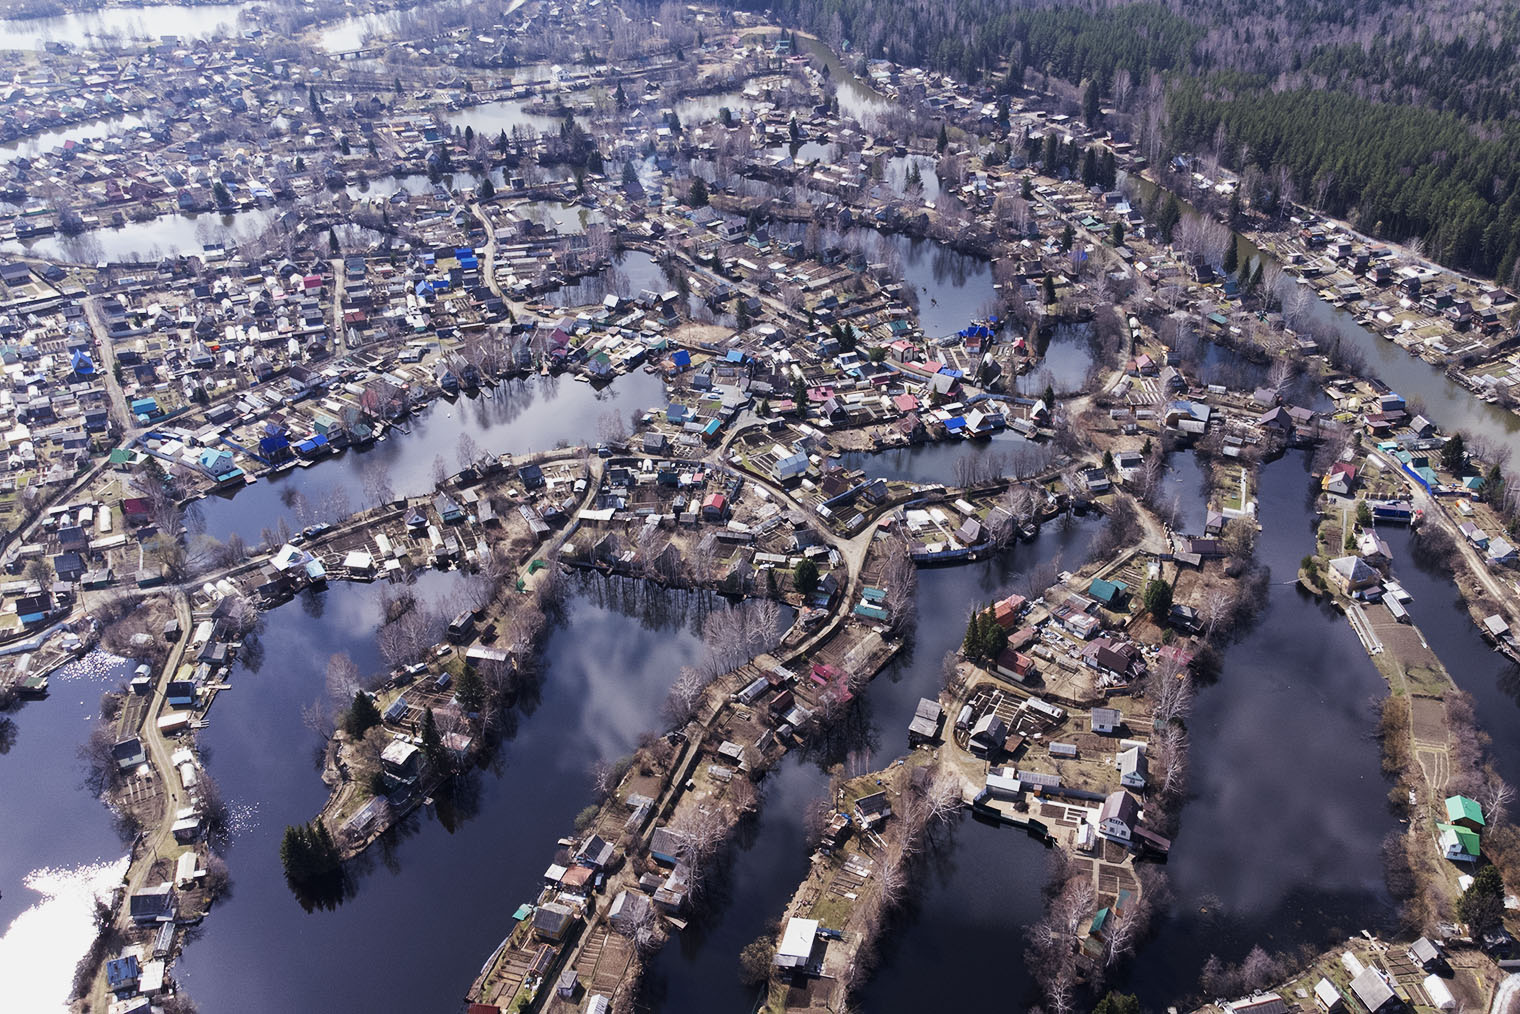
(685, 695)
(899, 578)
(1171, 693)
(1271, 283)
(318, 717)
(1280, 375)
(1496, 800)
(343, 679)
(377, 483)
(467, 451)
(1216, 610)
(1168, 760)
(1296, 304)
(1039, 578)
(440, 471)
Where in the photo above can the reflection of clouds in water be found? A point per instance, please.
(516, 417)
(42, 945)
(619, 648)
(351, 613)
(1259, 789)
(621, 672)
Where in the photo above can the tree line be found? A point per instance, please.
(1398, 172)
(1383, 111)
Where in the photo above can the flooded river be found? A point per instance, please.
(533, 414)
(151, 21)
(1285, 779)
(59, 846)
(1448, 403)
(433, 900)
(699, 970)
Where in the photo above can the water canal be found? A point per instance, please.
(1442, 617)
(1450, 404)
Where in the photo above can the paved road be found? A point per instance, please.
(340, 280)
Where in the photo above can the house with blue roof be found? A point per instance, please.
(123, 974)
(314, 446)
(219, 464)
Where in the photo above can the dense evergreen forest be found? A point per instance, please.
(1396, 114)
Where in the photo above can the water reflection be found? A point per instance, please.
(47, 140)
(973, 894)
(42, 945)
(1447, 402)
(489, 119)
(141, 22)
(167, 236)
(437, 894)
(518, 416)
(1442, 616)
(59, 846)
(899, 168)
(946, 463)
(977, 870)
(1068, 359)
(565, 219)
(632, 272)
(1286, 781)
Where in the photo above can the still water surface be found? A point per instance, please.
(59, 847)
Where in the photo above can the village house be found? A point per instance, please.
(1106, 721)
(1351, 574)
(1119, 817)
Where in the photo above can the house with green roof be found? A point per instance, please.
(1458, 843)
(1097, 933)
(1110, 593)
(1465, 812)
(124, 459)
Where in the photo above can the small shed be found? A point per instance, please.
(797, 943)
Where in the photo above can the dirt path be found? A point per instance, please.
(158, 841)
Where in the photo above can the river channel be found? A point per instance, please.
(699, 971)
(1288, 805)
(1491, 678)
